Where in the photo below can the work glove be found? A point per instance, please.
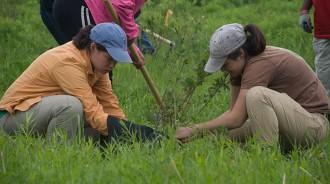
(125, 131)
(305, 22)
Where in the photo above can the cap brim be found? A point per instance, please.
(119, 55)
(214, 65)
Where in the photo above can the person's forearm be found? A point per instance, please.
(307, 5)
(234, 94)
(224, 120)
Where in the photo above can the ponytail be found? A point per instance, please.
(255, 43)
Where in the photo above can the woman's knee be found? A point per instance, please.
(61, 104)
(256, 93)
(75, 104)
(259, 98)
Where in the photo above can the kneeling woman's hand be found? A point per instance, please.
(186, 134)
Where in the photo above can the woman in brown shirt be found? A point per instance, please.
(275, 95)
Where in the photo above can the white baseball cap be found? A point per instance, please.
(224, 41)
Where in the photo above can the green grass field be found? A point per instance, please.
(189, 95)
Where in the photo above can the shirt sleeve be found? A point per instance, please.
(104, 94)
(125, 12)
(72, 78)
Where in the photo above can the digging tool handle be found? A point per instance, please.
(160, 37)
(137, 59)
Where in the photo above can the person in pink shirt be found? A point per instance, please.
(72, 15)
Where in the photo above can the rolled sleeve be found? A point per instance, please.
(125, 12)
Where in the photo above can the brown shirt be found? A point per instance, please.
(65, 70)
(286, 72)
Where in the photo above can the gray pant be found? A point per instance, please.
(275, 117)
(322, 61)
(52, 114)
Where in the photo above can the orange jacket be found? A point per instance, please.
(65, 70)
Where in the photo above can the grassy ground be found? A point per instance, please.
(185, 91)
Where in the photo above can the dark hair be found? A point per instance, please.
(255, 43)
(82, 40)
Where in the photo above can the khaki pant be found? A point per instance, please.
(54, 113)
(275, 117)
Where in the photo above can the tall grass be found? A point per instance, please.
(189, 94)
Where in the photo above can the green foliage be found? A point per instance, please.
(22, 39)
(190, 96)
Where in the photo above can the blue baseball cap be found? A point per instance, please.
(113, 38)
